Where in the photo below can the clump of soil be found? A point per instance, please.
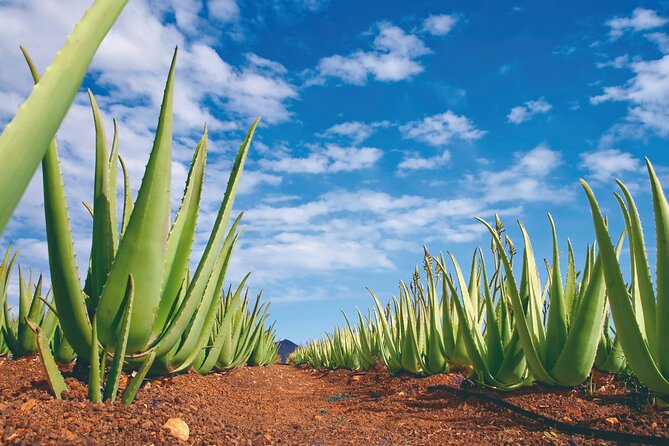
(287, 405)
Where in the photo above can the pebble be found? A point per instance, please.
(178, 428)
(28, 405)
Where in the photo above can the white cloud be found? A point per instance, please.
(350, 230)
(133, 60)
(529, 109)
(438, 130)
(420, 163)
(527, 180)
(392, 59)
(647, 94)
(603, 165)
(223, 10)
(356, 131)
(661, 40)
(618, 62)
(330, 159)
(439, 25)
(322, 252)
(641, 20)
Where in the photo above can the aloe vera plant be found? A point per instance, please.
(266, 349)
(562, 351)
(171, 312)
(496, 352)
(511, 335)
(24, 141)
(33, 305)
(235, 333)
(641, 314)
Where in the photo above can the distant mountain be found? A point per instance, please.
(286, 347)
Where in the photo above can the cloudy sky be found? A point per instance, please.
(386, 125)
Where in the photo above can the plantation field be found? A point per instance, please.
(292, 405)
(134, 319)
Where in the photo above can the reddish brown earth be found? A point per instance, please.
(286, 405)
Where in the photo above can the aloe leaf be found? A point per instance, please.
(531, 290)
(661, 210)
(642, 275)
(556, 328)
(49, 322)
(578, 355)
(204, 317)
(27, 340)
(181, 236)
(103, 244)
(25, 140)
(66, 287)
(636, 350)
(411, 358)
(53, 375)
(449, 329)
(127, 197)
(493, 339)
(637, 302)
(112, 178)
(570, 286)
(94, 372)
(206, 264)
(131, 391)
(389, 344)
(435, 360)
(114, 377)
(63, 351)
(141, 252)
(24, 305)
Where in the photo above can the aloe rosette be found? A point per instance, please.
(562, 351)
(166, 322)
(640, 314)
(266, 349)
(235, 333)
(496, 353)
(15, 332)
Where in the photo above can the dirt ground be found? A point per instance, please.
(287, 405)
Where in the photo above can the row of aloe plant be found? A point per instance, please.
(140, 307)
(509, 329)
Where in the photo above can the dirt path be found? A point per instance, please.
(292, 406)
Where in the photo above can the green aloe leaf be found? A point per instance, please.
(556, 328)
(631, 338)
(127, 197)
(206, 265)
(54, 377)
(25, 140)
(141, 252)
(95, 371)
(642, 278)
(66, 287)
(181, 236)
(661, 211)
(114, 377)
(104, 232)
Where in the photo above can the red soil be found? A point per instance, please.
(286, 405)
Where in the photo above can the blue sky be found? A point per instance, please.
(386, 126)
